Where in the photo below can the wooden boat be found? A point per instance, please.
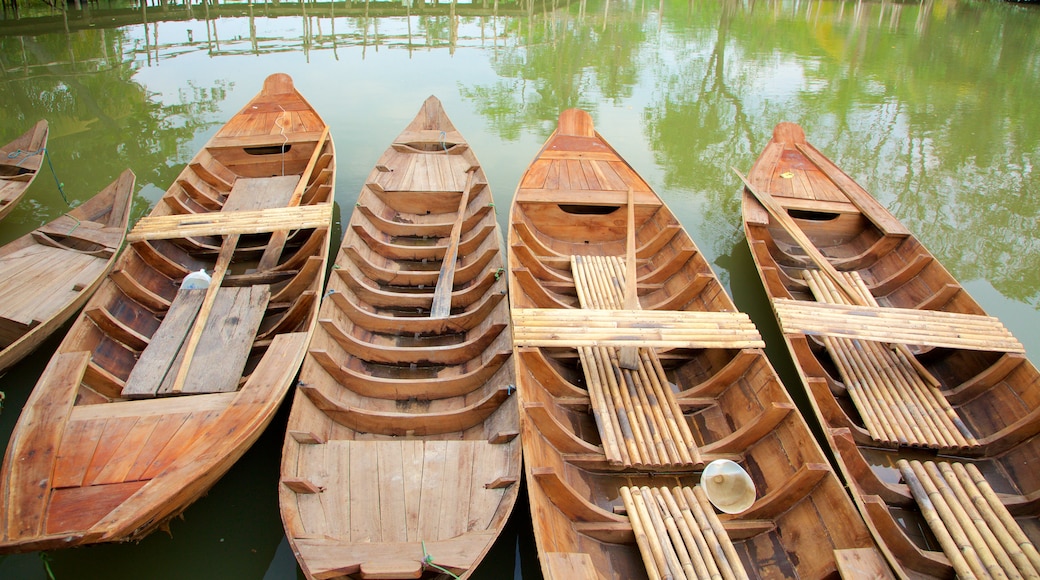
(931, 407)
(20, 161)
(599, 270)
(402, 455)
(48, 274)
(157, 390)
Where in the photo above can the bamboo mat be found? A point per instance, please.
(679, 535)
(639, 420)
(976, 531)
(897, 405)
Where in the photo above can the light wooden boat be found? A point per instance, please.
(48, 274)
(930, 406)
(156, 391)
(614, 455)
(402, 456)
(20, 161)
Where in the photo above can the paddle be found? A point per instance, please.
(784, 219)
(441, 305)
(628, 356)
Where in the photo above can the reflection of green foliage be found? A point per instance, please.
(577, 55)
(879, 89)
(99, 116)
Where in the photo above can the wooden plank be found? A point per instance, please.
(258, 193)
(390, 478)
(365, 524)
(226, 340)
(32, 453)
(227, 223)
(856, 194)
(897, 325)
(441, 306)
(157, 358)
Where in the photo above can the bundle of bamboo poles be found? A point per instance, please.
(639, 420)
(896, 403)
(975, 530)
(679, 535)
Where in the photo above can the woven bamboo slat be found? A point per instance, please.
(238, 222)
(679, 535)
(896, 404)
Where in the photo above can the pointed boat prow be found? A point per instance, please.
(576, 122)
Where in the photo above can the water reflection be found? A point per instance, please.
(930, 105)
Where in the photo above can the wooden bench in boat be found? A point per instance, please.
(976, 531)
(897, 402)
(679, 535)
(223, 347)
(233, 222)
(639, 420)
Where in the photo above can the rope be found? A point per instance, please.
(428, 561)
(285, 138)
(443, 144)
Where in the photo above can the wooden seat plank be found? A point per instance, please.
(231, 222)
(897, 325)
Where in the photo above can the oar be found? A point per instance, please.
(628, 356)
(784, 219)
(441, 305)
(276, 244)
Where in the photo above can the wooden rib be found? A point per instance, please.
(571, 503)
(555, 433)
(751, 431)
(138, 293)
(460, 322)
(381, 298)
(299, 311)
(418, 424)
(399, 228)
(115, 328)
(457, 383)
(313, 269)
(159, 261)
(436, 355)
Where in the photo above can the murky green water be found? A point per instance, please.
(930, 105)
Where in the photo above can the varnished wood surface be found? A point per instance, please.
(50, 273)
(991, 390)
(572, 201)
(104, 467)
(403, 439)
(20, 162)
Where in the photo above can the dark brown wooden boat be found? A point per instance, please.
(635, 372)
(157, 390)
(20, 161)
(402, 457)
(48, 274)
(930, 406)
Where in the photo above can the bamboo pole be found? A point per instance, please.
(1002, 514)
(781, 216)
(696, 546)
(650, 561)
(718, 539)
(991, 560)
(677, 542)
(936, 513)
(682, 441)
(622, 401)
(601, 411)
(1010, 555)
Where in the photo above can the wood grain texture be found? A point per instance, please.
(594, 430)
(957, 384)
(121, 456)
(407, 392)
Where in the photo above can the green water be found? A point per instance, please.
(932, 106)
